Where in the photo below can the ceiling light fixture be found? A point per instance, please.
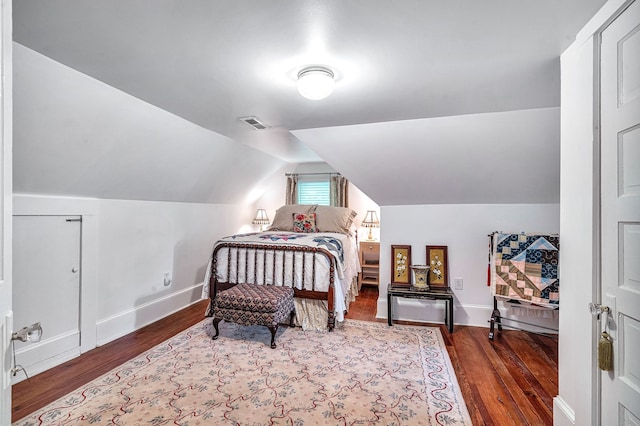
(315, 82)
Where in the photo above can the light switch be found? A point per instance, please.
(457, 283)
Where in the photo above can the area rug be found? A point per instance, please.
(363, 373)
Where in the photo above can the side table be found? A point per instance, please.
(413, 293)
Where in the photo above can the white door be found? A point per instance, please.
(620, 214)
(6, 323)
(46, 289)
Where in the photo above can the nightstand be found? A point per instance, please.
(370, 263)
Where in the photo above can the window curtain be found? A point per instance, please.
(339, 191)
(292, 189)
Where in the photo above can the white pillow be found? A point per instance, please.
(334, 219)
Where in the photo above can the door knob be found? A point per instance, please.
(596, 309)
(74, 269)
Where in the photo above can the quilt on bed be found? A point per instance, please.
(525, 268)
(330, 242)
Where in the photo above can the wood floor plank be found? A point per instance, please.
(482, 382)
(508, 381)
(40, 390)
(533, 365)
(501, 396)
(533, 395)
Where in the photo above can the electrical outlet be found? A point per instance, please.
(457, 283)
(32, 333)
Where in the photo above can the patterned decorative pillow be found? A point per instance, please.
(304, 222)
(283, 220)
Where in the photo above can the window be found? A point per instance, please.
(314, 190)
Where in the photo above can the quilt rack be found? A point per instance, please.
(523, 269)
(497, 318)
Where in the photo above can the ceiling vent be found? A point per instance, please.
(254, 122)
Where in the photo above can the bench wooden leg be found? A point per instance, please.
(293, 316)
(273, 329)
(215, 325)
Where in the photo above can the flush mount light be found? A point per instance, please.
(315, 82)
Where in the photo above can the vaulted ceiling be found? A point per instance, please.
(401, 67)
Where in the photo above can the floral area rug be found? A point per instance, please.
(363, 373)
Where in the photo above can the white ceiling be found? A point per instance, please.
(76, 136)
(499, 158)
(211, 62)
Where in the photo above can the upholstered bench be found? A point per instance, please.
(251, 304)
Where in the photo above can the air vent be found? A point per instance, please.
(254, 122)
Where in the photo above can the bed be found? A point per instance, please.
(312, 249)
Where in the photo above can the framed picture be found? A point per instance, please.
(400, 261)
(437, 261)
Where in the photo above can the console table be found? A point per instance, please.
(413, 293)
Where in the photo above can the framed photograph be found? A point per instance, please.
(400, 261)
(439, 272)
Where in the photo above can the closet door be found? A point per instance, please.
(46, 276)
(620, 204)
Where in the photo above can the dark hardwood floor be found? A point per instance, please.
(508, 381)
(40, 390)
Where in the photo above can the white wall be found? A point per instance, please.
(464, 228)
(274, 194)
(128, 246)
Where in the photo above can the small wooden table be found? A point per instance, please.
(413, 293)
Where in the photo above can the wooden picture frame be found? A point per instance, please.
(439, 266)
(400, 262)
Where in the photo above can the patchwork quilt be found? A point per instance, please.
(524, 267)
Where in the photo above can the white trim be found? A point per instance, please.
(53, 205)
(433, 311)
(6, 185)
(596, 384)
(6, 329)
(120, 324)
(611, 8)
(88, 209)
(563, 414)
(45, 365)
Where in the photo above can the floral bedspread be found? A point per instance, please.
(328, 241)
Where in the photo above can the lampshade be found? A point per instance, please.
(371, 221)
(315, 82)
(261, 218)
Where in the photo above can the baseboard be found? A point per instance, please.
(116, 326)
(44, 365)
(433, 311)
(563, 415)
